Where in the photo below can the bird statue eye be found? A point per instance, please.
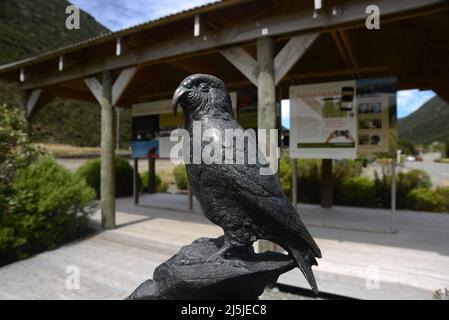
(204, 86)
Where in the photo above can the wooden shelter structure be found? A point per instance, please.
(270, 44)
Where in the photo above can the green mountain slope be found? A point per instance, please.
(29, 27)
(427, 124)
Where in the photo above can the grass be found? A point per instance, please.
(67, 151)
(167, 176)
(442, 160)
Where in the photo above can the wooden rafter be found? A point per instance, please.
(242, 31)
(342, 50)
(349, 48)
(31, 101)
(243, 61)
(289, 55)
(118, 88)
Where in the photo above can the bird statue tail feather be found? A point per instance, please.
(305, 261)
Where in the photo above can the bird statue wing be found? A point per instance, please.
(262, 192)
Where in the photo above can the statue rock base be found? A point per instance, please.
(194, 273)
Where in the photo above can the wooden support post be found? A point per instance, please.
(151, 175)
(135, 179)
(190, 197)
(117, 128)
(393, 197)
(266, 109)
(326, 183)
(107, 155)
(108, 94)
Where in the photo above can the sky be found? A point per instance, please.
(119, 14)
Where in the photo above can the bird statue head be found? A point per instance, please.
(201, 94)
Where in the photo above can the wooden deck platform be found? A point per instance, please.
(411, 264)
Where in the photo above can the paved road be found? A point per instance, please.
(439, 172)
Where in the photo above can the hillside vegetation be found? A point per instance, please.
(427, 124)
(30, 27)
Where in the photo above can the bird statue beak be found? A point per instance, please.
(179, 92)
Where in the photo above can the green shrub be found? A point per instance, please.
(444, 193)
(181, 179)
(161, 186)
(359, 192)
(407, 147)
(285, 176)
(422, 199)
(342, 171)
(309, 178)
(405, 182)
(91, 172)
(47, 207)
(16, 150)
(352, 189)
(309, 181)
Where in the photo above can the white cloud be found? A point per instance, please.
(409, 101)
(119, 14)
(285, 113)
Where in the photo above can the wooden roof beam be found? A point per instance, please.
(295, 48)
(118, 88)
(341, 49)
(243, 31)
(289, 55)
(441, 89)
(341, 72)
(30, 100)
(243, 61)
(349, 48)
(123, 81)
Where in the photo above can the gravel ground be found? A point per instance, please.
(276, 294)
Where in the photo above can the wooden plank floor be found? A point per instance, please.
(411, 264)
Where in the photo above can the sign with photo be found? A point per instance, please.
(340, 120)
(376, 114)
(152, 124)
(145, 149)
(323, 121)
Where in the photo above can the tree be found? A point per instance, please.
(16, 149)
